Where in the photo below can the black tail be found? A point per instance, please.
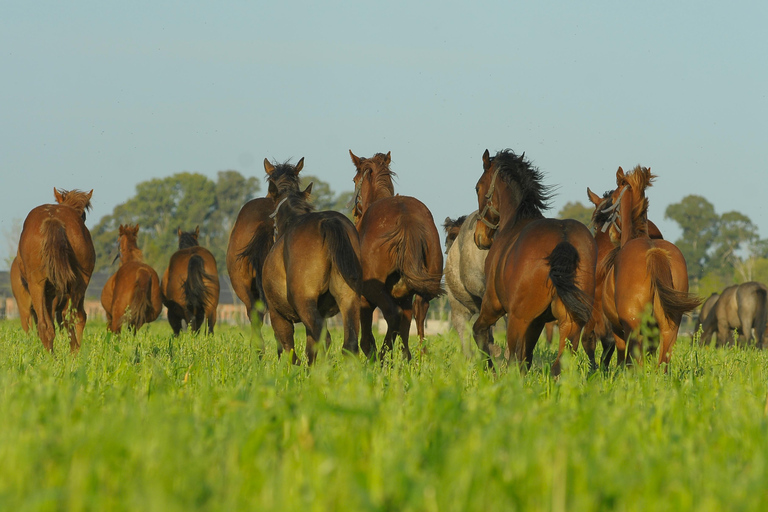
(343, 255)
(196, 294)
(563, 262)
(255, 252)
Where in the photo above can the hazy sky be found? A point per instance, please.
(104, 95)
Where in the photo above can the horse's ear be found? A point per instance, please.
(486, 160)
(593, 198)
(90, 194)
(388, 159)
(620, 176)
(308, 191)
(121, 230)
(58, 195)
(136, 229)
(197, 232)
(355, 159)
(178, 231)
(268, 167)
(300, 165)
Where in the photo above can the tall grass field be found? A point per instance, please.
(154, 423)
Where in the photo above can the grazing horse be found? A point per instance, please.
(312, 272)
(537, 269)
(599, 327)
(706, 310)
(190, 285)
(741, 307)
(56, 259)
(132, 294)
(641, 272)
(400, 249)
(252, 236)
(21, 294)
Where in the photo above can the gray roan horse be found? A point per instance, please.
(742, 307)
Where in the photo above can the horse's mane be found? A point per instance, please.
(77, 199)
(382, 175)
(638, 179)
(600, 216)
(285, 177)
(299, 203)
(187, 239)
(450, 223)
(518, 172)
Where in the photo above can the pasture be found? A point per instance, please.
(154, 423)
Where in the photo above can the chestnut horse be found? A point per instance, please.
(252, 237)
(312, 272)
(190, 285)
(21, 294)
(641, 272)
(537, 269)
(132, 294)
(599, 326)
(400, 249)
(56, 259)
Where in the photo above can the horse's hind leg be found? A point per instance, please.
(283, 329)
(482, 330)
(406, 306)
(45, 327)
(569, 332)
(314, 322)
(367, 341)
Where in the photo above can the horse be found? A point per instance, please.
(312, 272)
(742, 307)
(190, 285)
(56, 260)
(132, 294)
(401, 253)
(706, 310)
(599, 327)
(641, 272)
(252, 237)
(21, 294)
(537, 269)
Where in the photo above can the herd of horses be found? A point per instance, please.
(296, 264)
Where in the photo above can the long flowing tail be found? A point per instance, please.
(196, 293)
(410, 244)
(141, 302)
(674, 302)
(343, 256)
(59, 259)
(563, 262)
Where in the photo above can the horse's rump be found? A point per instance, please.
(408, 244)
(563, 262)
(141, 302)
(58, 257)
(196, 293)
(674, 302)
(342, 252)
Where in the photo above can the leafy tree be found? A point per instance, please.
(699, 222)
(324, 198)
(577, 211)
(163, 205)
(735, 232)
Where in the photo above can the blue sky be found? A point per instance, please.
(105, 95)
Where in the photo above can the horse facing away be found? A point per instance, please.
(599, 327)
(21, 294)
(706, 309)
(190, 285)
(644, 272)
(312, 272)
(252, 237)
(537, 269)
(132, 294)
(401, 253)
(56, 259)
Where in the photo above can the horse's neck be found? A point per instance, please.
(131, 254)
(373, 193)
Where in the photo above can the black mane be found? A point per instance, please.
(518, 172)
(187, 239)
(285, 177)
(600, 217)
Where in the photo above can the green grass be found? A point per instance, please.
(197, 423)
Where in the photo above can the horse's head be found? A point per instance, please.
(628, 206)
(373, 180)
(452, 228)
(188, 238)
(127, 240)
(285, 177)
(294, 204)
(489, 217)
(77, 199)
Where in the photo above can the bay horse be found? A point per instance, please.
(312, 272)
(644, 272)
(252, 237)
(56, 260)
(190, 285)
(537, 269)
(21, 294)
(401, 253)
(132, 294)
(599, 327)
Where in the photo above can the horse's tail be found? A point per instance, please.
(675, 303)
(343, 256)
(196, 294)
(256, 250)
(563, 262)
(58, 257)
(410, 246)
(141, 301)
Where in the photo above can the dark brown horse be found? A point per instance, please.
(599, 327)
(21, 294)
(312, 272)
(400, 249)
(56, 259)
(132, 294)
(642, 274)
(252, 237)
(537, 269)
(190, 285)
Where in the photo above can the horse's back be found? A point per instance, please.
(465, 267)
(253, 216)
(176, 273)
